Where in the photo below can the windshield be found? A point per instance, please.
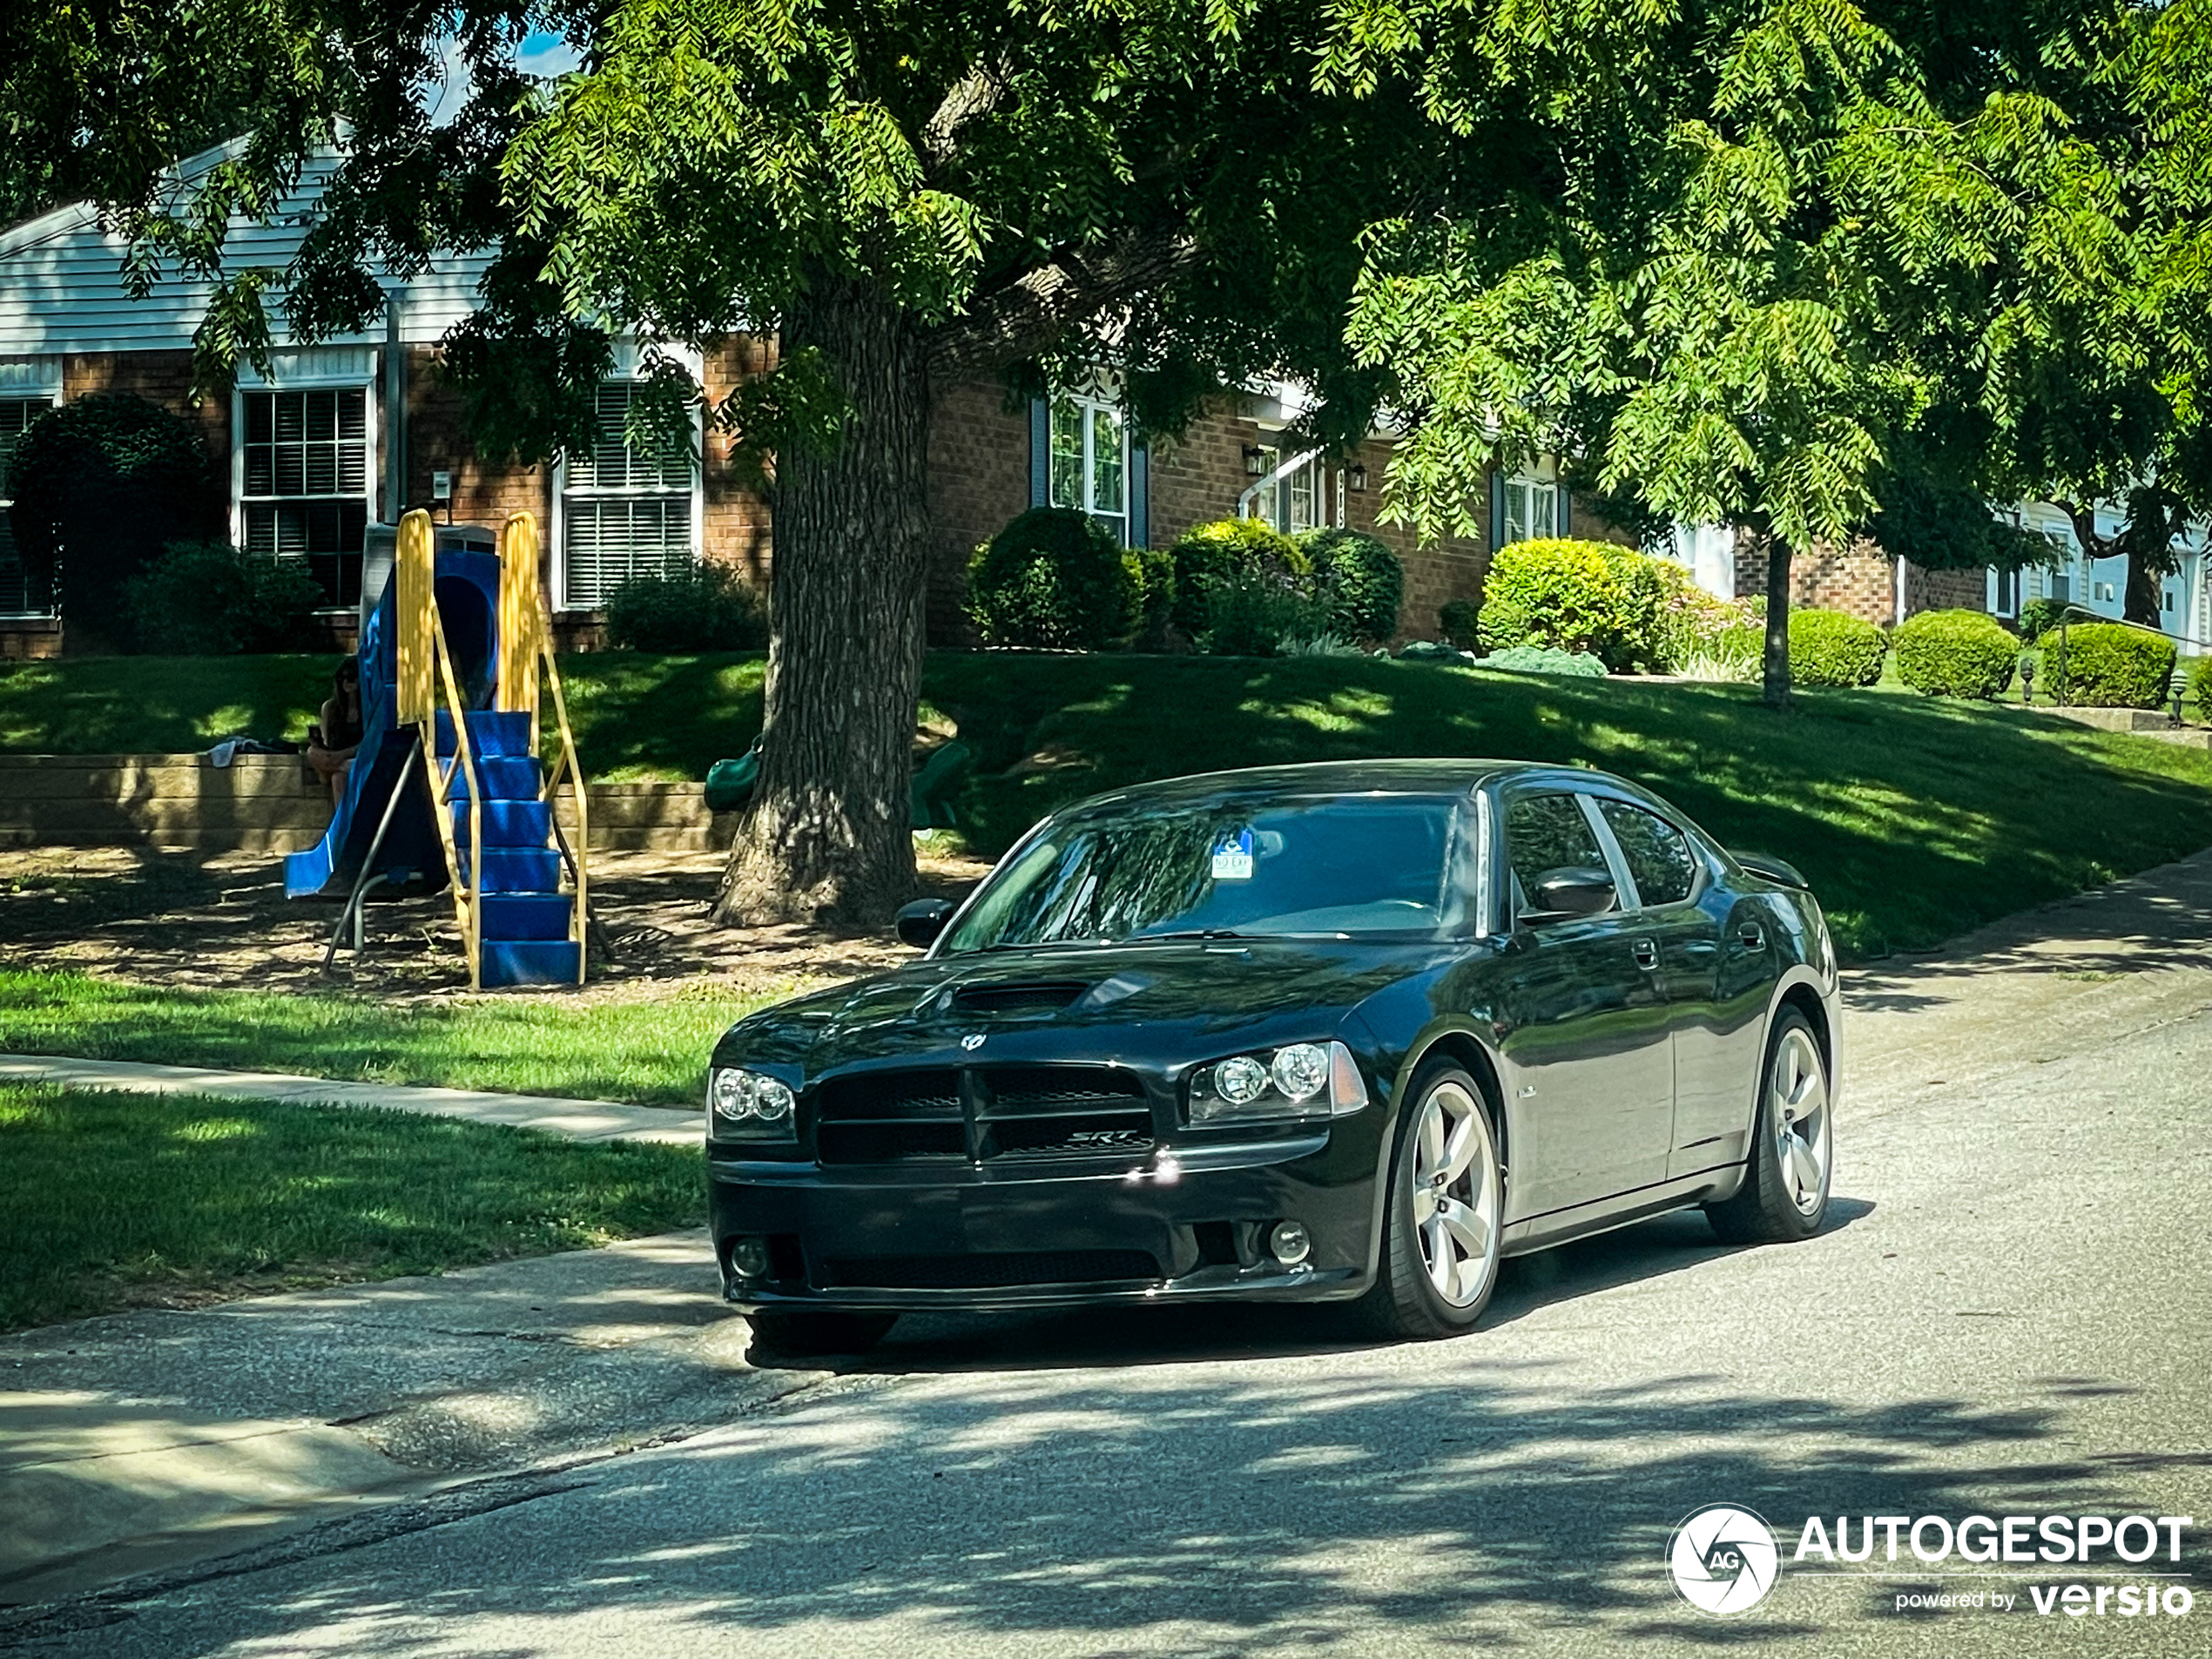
(1382, 864)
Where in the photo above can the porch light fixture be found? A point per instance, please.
(1255, 460)
(1357, 476)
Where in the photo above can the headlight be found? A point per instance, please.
(750, 1105)
(1300, 1079)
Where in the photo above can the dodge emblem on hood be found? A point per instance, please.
(972, 1039)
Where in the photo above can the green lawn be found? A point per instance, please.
(115, 1201)
(1916, 817)
(653, 1053)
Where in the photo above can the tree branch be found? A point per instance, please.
(1031, 315)
(974, 94)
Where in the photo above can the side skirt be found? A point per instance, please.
(1622, 1210)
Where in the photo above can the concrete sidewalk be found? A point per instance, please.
(577, 1120)
(142, 1442)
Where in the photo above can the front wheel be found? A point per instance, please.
(796, 1334)
(1784, 1195)
(1442, 1209)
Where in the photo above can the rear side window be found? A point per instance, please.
(1657, 854)
(1549, 833)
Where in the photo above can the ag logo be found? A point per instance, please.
(971, 1041)
(1723, 1559)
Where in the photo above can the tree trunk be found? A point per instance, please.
(1775, 671)
(2145, 591)
(827, 836)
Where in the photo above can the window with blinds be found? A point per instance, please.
(625, 508)
(303, 490)
(16, 414)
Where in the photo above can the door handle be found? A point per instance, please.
(1751, 936)
(1646, 953)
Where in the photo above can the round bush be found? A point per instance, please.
(2201, 687)
(1054, 579)
(1956, 653)
(1206, 556)
(1541, 659)
(212, 599)
(2106, 666)
(1456, 621)
(100, 487)
(1576, 596)
(1248, 616)
(1833, 648)
(1358, 580)
(709, 607)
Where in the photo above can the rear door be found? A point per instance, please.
(1584, 1026)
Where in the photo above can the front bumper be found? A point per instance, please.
(1189, 1222)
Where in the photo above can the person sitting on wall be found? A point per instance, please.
(332, 740)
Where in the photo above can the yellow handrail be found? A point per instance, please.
(573, 766)
(468, 903)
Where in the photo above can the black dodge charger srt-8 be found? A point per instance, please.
(1315, 1033)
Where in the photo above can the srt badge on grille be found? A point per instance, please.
(973, 1041)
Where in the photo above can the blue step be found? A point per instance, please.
(529, 961)
(527, 915)
(507, 823)
(489, 733)
(506, 778)
(515, 869)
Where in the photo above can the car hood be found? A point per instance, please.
(1183, 997)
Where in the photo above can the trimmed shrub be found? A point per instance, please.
(1456, 619)
(1833, 648)
(2038, 617)
(212, 599)
(2106, 665)
(100, 487)
(1358, 580)
(1576, 596)
(1541, 659)
(1256, 617)
(709, 607)
(1054, 579)
(1956, 653)
(1153, 570)
(2201, 687)
(1207, 555)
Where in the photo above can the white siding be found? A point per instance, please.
(62, 288)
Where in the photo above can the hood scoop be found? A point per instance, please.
(1033, 996)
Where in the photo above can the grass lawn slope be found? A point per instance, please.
(116, 1201)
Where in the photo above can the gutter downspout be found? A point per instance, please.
(1900, 589)
(395, 413)
(1244, 500)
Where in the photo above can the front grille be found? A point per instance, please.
(991, 1270)
(983, 1112)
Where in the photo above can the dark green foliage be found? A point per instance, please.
(100, 487)
(1054, 579)
(1940, 524)
(1579, 596)
(1153, 570)
(1456, 620)
(1542, 660)
(212, 599)
(709, 607)
(1956, 653)
(1256, 616)
(1834, 649)
(2106, 666)
(1207, 555)
(2201, 687)
(1360, 581)
(2038, 615)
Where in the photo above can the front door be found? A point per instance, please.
(1584, 1029)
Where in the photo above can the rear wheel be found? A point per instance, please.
(1442, 1209)
(803, 1333)
(1784, 1195)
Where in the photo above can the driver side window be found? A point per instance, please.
(1546, 832)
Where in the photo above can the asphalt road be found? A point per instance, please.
(2008, 1315)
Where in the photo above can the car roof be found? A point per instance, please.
(1402, 777)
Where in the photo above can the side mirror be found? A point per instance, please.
(1568, 893)
(920, 922)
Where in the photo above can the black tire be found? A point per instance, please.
(795, 1333)
(1765, 1210)
(1405, 1302)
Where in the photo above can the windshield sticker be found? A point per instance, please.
(1232, 856)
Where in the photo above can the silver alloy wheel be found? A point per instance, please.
(1798, 1109)
(1455, 1194)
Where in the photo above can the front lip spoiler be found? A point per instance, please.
(1264, 1284)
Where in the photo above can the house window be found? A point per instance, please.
(303, 482)
(1293, 502)
(627, 509)
(1091, 459)
(16, 414)
(2105, 595)
(1532, 510)
(2004, 593)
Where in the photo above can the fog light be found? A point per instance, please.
(1291, 1243)
(749, 1257)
